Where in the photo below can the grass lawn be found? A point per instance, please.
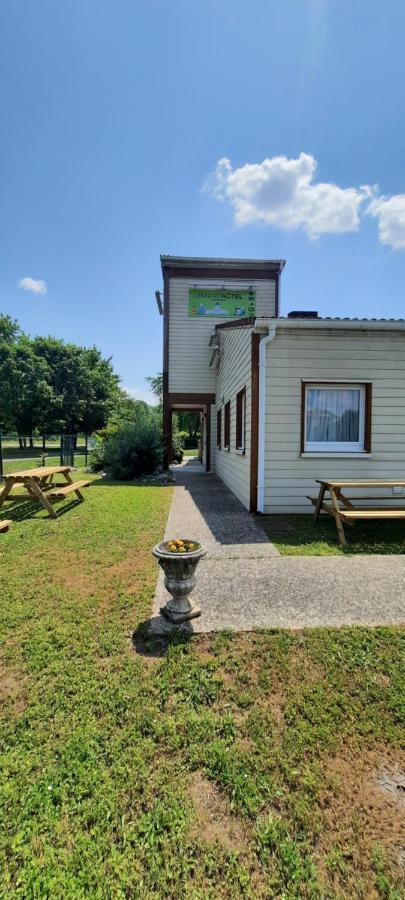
(298, 535)
(224, 766)
(190, 452)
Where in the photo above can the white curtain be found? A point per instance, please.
(333, 416)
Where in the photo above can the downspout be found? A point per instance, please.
(262, 418)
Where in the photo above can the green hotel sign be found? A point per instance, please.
(221, 302)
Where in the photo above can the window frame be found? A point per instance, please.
(339, 447)
(240, 438)
(227, 425)
(219, 429)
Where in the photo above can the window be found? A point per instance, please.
(241, 420)
(219, 429)
(227, 425)
(336, 418)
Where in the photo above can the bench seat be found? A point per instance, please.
(372, 514)
(61, 492)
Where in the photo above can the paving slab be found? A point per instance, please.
(244, 584)
(203, 508)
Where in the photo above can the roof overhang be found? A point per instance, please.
(204, 262)
(264, 326)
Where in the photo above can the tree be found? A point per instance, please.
(124, 408)
(9, 329)
(26, 393)
(191, 422)
(156, 386)
(83, 385)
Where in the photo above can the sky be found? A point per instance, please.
(130, 128)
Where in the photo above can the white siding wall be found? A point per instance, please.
(234, 373)
(378, 357)
(213, 436)
(189, 353)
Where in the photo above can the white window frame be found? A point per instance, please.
(337, 446)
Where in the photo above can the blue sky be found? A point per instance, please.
(114, 113)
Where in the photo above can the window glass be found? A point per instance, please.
(334, 417)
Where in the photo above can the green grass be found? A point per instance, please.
(219, 767)
(190, 452)
(298, 535)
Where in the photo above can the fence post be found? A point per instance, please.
(86, 450)
(61, 449)
(1, 459)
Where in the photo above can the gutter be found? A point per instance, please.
(263, 325)
(265, 340)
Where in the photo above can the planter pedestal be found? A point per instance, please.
(180, 580)
(176, 616)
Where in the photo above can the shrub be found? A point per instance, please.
(131, 451)
(177, 447)
(96, 459)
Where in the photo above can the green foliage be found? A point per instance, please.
(124, 410)
(190, 423)
(156, 386)
(52, 386)
(177, 447)
(26, 393)
(131, 450)
(9, 329)
(83, 386)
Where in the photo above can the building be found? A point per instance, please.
(284, 401)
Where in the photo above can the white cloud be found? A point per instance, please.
(282, 192)
(390, 212)
(34, 285)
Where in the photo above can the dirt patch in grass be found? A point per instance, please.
(214, 820)
(12, 689)
(362, 813)
(101, 580)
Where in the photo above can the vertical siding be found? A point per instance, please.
(377, 357)
(233, 374)
(189, 353)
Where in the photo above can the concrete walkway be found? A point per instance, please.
(243, 583)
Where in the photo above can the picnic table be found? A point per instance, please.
(343, 509)
(41, 487)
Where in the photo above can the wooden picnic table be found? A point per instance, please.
(41, 487)
(347, 512)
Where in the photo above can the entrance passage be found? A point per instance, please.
(193, 411)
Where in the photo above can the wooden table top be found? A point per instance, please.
(40, 472)
(360, 484)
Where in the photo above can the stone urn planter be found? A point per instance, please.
(179, 561)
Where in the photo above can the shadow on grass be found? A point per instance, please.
(147, 643)
(22, 510)
(298, 534)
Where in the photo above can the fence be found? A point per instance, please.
(30, 451)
